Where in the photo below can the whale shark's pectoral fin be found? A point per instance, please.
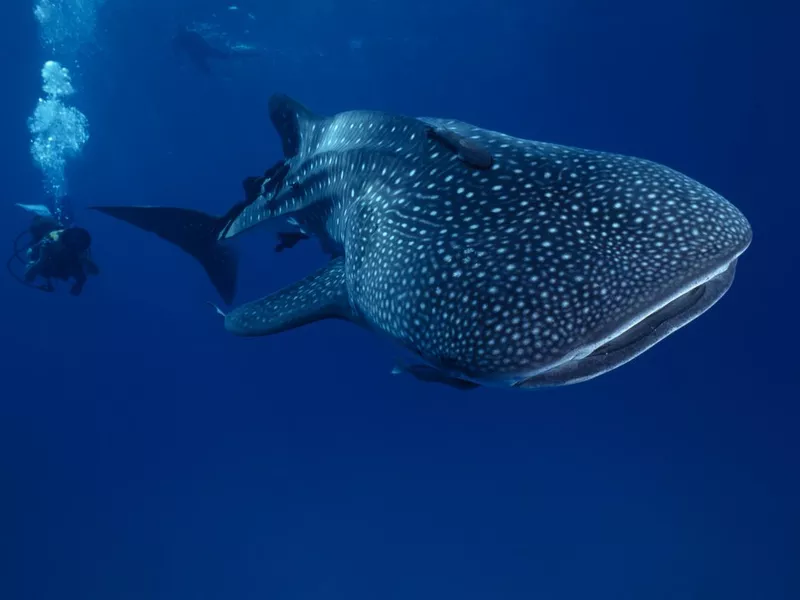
(432, 375)
(321, 295)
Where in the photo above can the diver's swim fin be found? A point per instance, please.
(193, 231)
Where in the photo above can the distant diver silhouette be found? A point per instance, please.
(54, 250)
(200, 52)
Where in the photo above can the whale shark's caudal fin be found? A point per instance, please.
(193, 231)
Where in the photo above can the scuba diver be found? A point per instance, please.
(199, 51)
(55, 250)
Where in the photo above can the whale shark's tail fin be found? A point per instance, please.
(193, 231)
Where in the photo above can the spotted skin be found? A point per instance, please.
(507, 272)
(320, 295)
(500, 274)
(495, 260)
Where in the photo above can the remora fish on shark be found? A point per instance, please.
(496, 261)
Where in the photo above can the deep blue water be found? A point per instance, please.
(145, 453)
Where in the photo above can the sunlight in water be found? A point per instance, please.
(66, 24)
(59, 131)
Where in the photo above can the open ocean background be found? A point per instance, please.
(145, 454)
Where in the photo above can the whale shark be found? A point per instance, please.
(491, 260)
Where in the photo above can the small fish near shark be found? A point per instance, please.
(493, 260)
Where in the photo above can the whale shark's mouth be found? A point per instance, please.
(628, 343)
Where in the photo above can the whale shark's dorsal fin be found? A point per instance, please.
(294, 123)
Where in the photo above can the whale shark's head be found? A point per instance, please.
(566, 263)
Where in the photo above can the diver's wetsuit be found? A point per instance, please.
(42, 226)
(61, 254)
